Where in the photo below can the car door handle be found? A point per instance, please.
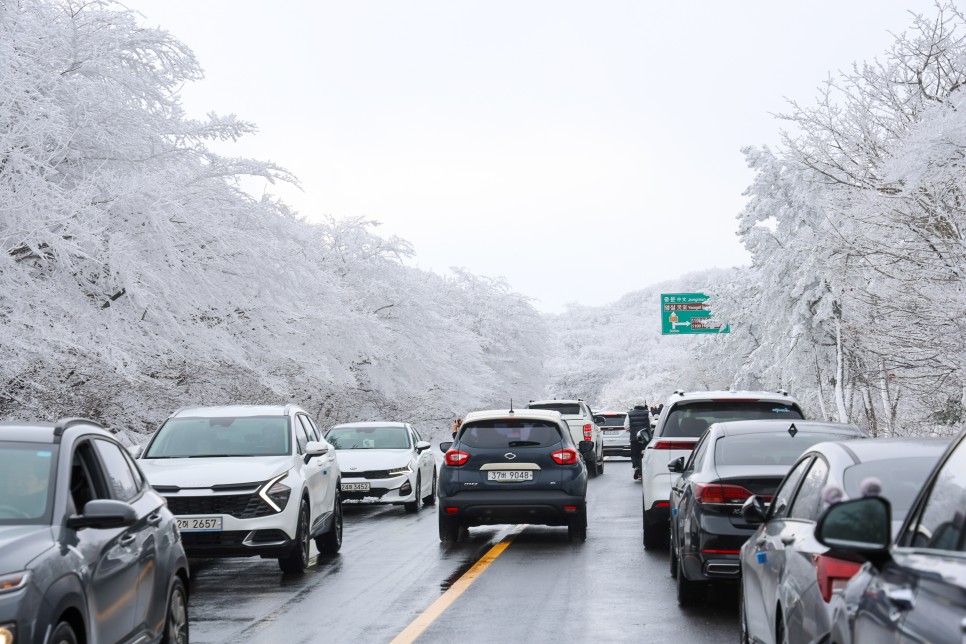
(902, 598)
(760, 541)
(154, 519)
(788, 539)
(127, 540)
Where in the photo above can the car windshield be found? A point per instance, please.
(509, 433)
(901, 479)
(568, 409)
(368, 437)
(26, 482)
(614, 420)
(767, 449)
(226, 436)
(691, 419)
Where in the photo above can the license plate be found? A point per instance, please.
(355, 487)
(509, 475)
(613, 432)
(199, 524)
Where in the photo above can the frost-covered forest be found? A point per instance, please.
(856, 297)
(137, 275)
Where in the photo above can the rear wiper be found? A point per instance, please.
(523, 443)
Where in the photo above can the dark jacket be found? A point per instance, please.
(638, 418)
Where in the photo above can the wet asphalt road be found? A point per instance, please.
(392, 567)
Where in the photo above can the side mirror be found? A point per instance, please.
(862, 526)
(444, 446)
(644, 436)
(422, 446)
(102, 514)
(753, 510)
(677, 465)
(600, 420)
(586, 447)
(315, 448)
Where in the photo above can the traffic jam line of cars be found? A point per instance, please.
(827, 535)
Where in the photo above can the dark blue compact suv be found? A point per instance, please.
(89, 553)
(513, 466)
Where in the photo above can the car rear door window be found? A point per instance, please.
(121, 480)
(498, 434)
(779, 506)
(808, 502)
(942, 523)
(691, 419)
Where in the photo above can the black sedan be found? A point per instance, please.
(915, 589)
(731, 462)
(88, 551)
(787, 577)
(513, 466)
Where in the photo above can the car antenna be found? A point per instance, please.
(511, 405)
(792, 430)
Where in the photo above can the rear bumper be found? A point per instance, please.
(718, 557)
(540, 507)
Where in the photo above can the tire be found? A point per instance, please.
(577, 527)
(781, 634)
(600, 465)
(449, 530)
(688, 591)
(742, 616)
(654, 538)
(297, 560)
(330, 542)
(591, 467)
(176, 619)
(63, 634)
(413, 506)
(431, 499)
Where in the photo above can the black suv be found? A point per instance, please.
(88, 551)
(511, 466)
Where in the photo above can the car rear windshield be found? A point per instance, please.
(498, 434)
(26, 482)
(766, 449)
(568, 409)
(900, 478)
(691, 419)
(368, 437)
(614, 420)
(222, 437)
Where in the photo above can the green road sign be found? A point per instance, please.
(684, 313)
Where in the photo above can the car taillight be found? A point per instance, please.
(455, 458)
(688, 445)
(588, 432)
(833, 574)
(565, 456)
(720, 494)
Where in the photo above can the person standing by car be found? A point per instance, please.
(637, 419)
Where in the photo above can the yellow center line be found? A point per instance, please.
(427, 617)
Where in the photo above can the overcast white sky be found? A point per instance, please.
(582, 150)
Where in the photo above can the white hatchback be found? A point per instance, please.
(248, 480)
(384, 462)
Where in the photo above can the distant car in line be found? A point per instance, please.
(513, 466)
(731, 462)
(384, 462)
(248, 480)
(88, 551)
(616, 437)
(584, 426)
(681, 423)
(788, 577)
(912, 589)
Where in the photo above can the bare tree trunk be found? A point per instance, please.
(840, 375)
(821, 390)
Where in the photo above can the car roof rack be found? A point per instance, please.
(783, 392)
(679, 392)
(64, 423)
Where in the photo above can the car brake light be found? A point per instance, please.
(588, 432)
(833, 574)
(455, 458)
(720, 494)
(565, 456)
(687, 445)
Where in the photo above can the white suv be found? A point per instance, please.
(682, 422)
(584, 426)
(248, 480)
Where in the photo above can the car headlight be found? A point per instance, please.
(396, 471)
(276, 494)
(13, 581)
(8, 633)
